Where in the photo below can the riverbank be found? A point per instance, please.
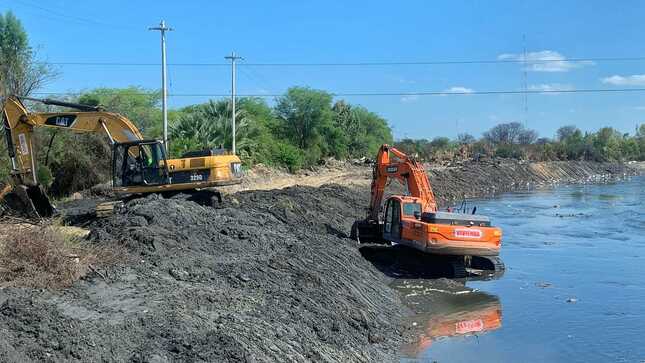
(479, 180)
(268, 276)
(452, 183)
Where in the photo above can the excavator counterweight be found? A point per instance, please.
(413, 220)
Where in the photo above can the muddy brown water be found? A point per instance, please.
(574, 289)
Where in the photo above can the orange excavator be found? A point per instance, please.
(413, 220)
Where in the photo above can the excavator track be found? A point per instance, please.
(457, 268)
(107, 209)
(491, 264)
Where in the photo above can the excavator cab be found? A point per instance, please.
(392, 225)
(139, 163)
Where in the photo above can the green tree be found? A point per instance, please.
(373, 131)
(20, 72)
(640, 139)
(305, 114)
(607, 144)
(565, 132)
(209, 125)
(363, 132)
(139, 105)
(440, 142)
(572, 142)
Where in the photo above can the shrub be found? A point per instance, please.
(288, 155)
(47, 258)
(509, 151)
(44, 176)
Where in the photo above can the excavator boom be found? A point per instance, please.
(405, 170)
(19, 124)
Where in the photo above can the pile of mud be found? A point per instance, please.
(478, 179)
(268, 277)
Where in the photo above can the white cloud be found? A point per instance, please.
(633, 80)
(459, 89)
(545, 61)
(403, 80)
(409, 98)
(551, 88)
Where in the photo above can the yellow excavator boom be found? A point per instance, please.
(20, 123)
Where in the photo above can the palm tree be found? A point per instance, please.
(209, 125)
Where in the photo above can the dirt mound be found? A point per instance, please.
(262, 279)
(478, 179)
(329, 209)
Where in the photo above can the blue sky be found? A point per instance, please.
(366, 31)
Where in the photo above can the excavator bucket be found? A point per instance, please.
(29, 201)
(366, 231)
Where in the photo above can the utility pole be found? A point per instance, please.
(162, 28)
(233, 58)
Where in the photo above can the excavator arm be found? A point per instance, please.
(392, 164)
(405, 170)
(19, 125)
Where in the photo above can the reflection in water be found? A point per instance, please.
(573, 290)
(444, 309)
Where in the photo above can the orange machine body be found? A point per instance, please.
(439, 238)
(415, 221)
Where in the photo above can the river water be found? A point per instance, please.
(574, 288)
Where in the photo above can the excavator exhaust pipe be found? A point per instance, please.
(30, 201)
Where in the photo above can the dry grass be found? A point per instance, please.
(47, 257)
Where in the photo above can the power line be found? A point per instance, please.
(78, 19)
(363, 64)
(383, 94)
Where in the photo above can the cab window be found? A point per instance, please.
(410, 208)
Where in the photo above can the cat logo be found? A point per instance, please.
(61, 121)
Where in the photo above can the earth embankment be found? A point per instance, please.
(268, 276)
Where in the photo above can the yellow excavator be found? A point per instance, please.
(139, 166)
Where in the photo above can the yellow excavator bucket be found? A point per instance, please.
(29, 201)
